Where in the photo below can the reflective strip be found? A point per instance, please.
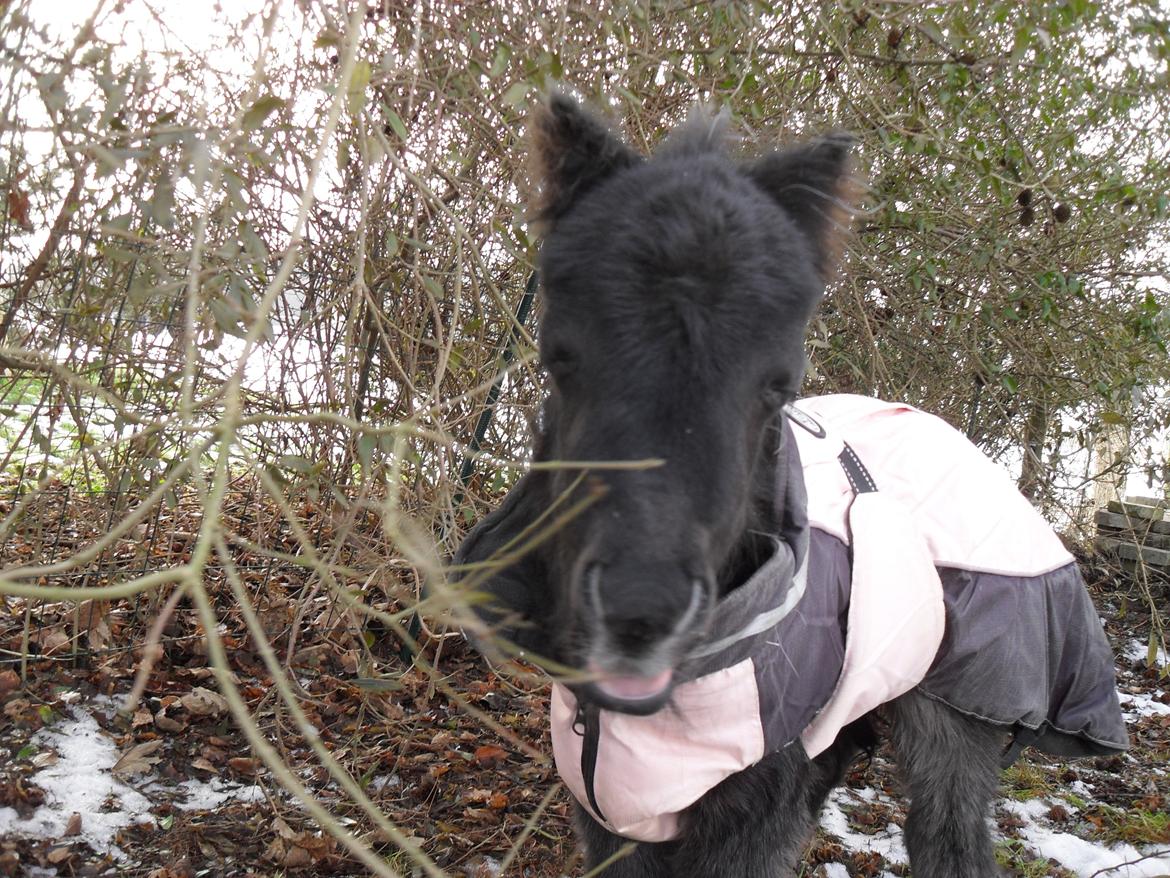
(763, 621)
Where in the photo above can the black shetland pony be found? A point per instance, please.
(677, 293)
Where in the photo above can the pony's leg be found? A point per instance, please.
(753, 825)
(643, 861)
(950, 763)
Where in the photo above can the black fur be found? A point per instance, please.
(677, 293)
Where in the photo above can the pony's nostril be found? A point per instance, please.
(633, 636)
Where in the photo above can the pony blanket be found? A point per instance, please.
(918, 565)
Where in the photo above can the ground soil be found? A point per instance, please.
(418, 740)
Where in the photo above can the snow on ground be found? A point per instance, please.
(1084, 858)
(887, 842)
(80, 781)
(1138, 651)
(1135, 706)
(206, 795)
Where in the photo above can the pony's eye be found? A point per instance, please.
(560, 362)
(778, 393)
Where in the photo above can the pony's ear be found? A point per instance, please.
(814, 183)
(570, 152)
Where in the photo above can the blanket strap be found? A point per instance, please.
(588, 724)
(1021, 738)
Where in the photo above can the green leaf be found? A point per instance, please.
(931, 30)
(296, 463)
(162, 206)
(378, 684)
(1152, 650)
(260, 110)
(501, 59)
(516, 94)
(1023, 42)
(1112, 418)
(355, 92)
(397, 124)
(367, 442)
(227, 317)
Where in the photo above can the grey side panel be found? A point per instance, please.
(1029, 652)
(799, 663)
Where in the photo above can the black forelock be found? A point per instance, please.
(679, 243)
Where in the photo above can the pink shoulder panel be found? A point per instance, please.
(965, 505)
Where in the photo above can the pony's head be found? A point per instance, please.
(677, 291)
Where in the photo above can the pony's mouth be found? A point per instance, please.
(629, 693)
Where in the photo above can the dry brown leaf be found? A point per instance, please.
(214, 755)
(489, 755)
(297, 858)
(274, 851)
(204, 702)
(59, 855)
(9, 681)
(54, 641)
(142, 717)
(90, 613)
(482, 815)
(18, 203)
(137, 759)
(73, 827)
(283, 829)
(244, 765)
(168, 724)
(203, 765)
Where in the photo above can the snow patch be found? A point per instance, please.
(80, 781)
(1135, 706)
(1138, 651)
(888, 842)
(383, 782)
(1083, 858)
(207, 795)
(1082, 789)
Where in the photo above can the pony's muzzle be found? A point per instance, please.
(637, 637)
